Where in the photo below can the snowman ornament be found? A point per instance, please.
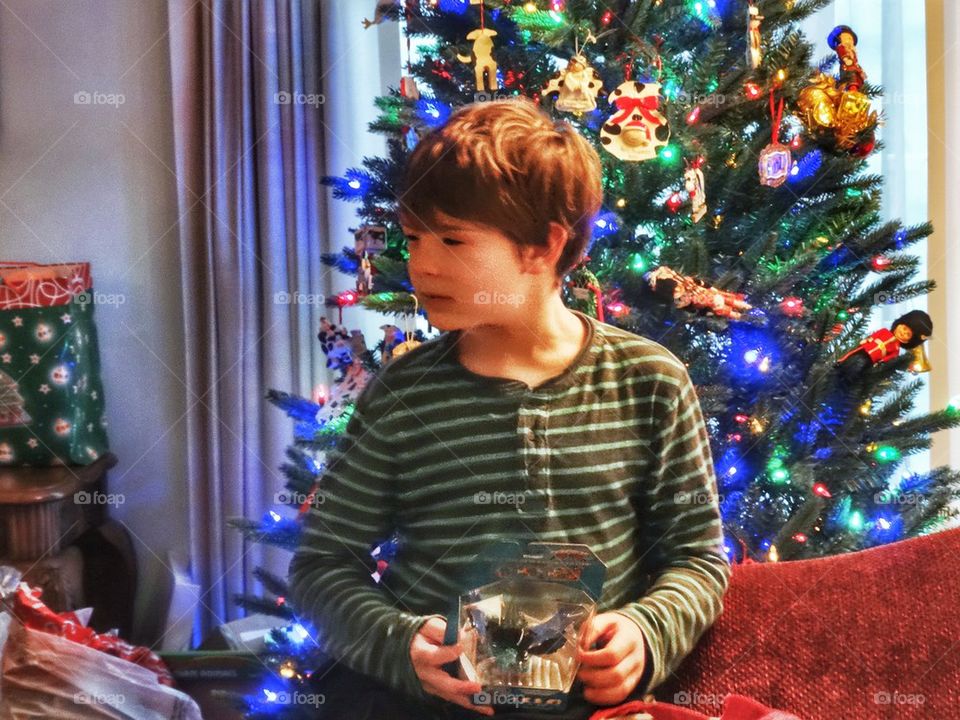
(638, 128)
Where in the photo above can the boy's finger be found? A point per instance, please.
(441, 654)
(611, 654)
(450, 687)
(595, 631)
(434, 629)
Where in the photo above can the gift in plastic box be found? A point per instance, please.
(520, 627)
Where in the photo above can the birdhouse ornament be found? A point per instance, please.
(638, 128)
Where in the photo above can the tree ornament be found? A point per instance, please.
(587, 295)
(369, 241)
(577, 86)
(695, 186)
(907, 332)
(775, 158)
(343, 350)
(638, 128)
(754, 52)
(839, 104)
(398, 343)
(380, 12)
(688, 292)
(481, 55)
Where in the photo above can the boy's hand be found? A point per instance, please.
(611, 672)
(429, 654)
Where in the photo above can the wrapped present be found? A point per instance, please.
(51, 394)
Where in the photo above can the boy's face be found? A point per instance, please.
(467, 274)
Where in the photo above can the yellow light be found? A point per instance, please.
(757, 426)
(732, 160)
(717, 219)
(622, 202)
(865, 408)
(871, 447)
(823, 240)
(287, 670)
(781, 75)
(773, 555)
(530, 7)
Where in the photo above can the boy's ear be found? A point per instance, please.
(543, 258)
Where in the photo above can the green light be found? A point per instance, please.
(638, 263)
(954, 407)
(774, 464)
(856, 521)
(886, 453)
(668, 154)
(713, 85)
(670, 89)
(781, 476)
(526, 35)
(842, 315)
(853, 192)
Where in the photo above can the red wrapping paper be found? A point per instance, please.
(26, 285)
(32, 612)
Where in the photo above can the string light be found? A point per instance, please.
(674, 202)
(752, 90)
(821, 490)
(622, 202)
(693, 115)
(880, 263)
(865, 407)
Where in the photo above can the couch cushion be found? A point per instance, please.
(870, 634)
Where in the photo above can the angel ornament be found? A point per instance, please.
(577, 86)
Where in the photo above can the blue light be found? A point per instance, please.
(454, 6)
(900, 238)
(750, 356)
(432, 112)
(605, 225)
(806, 166)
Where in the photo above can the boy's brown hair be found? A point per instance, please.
(508, 165)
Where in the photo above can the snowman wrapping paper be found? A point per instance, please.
(637, 129)
(51, 395)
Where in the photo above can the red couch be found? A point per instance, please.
(867, 635)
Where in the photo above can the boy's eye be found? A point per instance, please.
(451, 241)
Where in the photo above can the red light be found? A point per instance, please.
(880, 263)
(792, 306)
(347, 297)
(800, 538)
(752, 90)
(796, 142)
(741, 418)
(674, 202)
(821, 490)
(618, 309)
(693, 116)
(607, 17)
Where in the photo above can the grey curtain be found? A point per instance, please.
(248, 144)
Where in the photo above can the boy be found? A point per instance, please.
(524, 420)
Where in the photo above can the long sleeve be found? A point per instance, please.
(359, 622)
(683, 536)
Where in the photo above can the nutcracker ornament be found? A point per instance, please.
(576, 87)
(688, 292)
(754, 53)
(908, 332)
(638, 128)
(693, 183)
(843, 41)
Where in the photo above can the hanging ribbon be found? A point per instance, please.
(775, 118)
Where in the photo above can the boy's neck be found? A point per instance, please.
(539, 348)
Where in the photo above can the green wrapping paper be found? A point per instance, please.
(51, 394)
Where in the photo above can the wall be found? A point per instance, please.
(94, 182)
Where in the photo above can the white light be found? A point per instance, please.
(355, 184)
(750, 356)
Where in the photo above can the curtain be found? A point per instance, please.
(943, 69)
(248, 148)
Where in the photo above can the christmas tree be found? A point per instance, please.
(739, 229)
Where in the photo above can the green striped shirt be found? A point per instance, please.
(612, 453)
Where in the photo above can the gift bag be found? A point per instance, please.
(47, 676)
(51, 394)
